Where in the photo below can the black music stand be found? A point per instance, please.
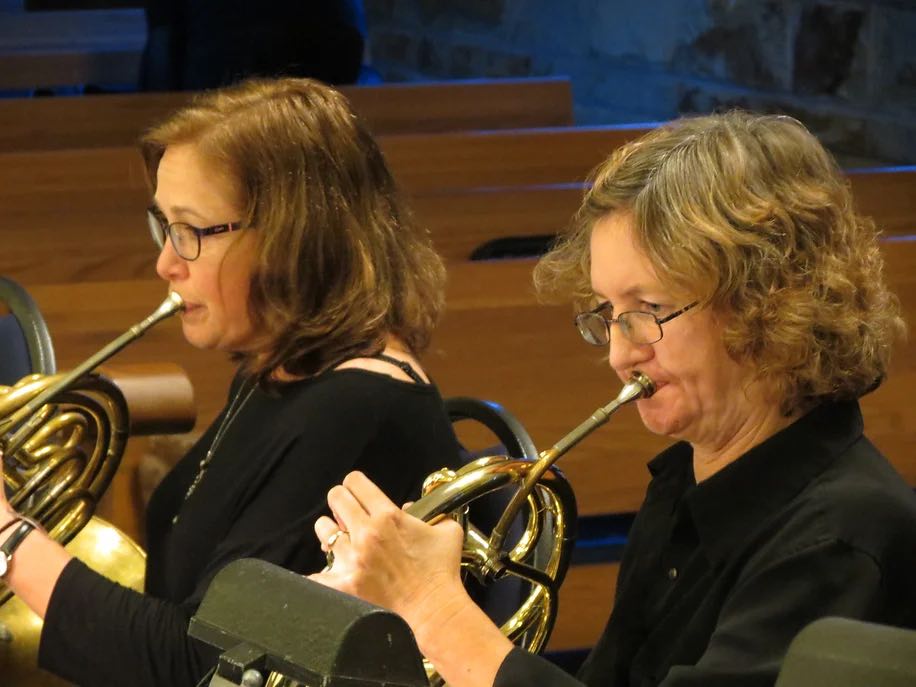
(262, 618)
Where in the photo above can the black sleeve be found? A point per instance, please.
(521, 669)
(95, 627)
(98, 633)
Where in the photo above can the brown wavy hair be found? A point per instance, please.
(340, 261)
(752, 217)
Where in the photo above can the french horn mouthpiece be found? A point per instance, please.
(638, 386)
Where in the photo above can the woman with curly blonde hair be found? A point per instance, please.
(722, 257)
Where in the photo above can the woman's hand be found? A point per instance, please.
(397, 561)
(388, 557)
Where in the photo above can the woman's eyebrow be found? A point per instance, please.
(182, 210)
(638, 291)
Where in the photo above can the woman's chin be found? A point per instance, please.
(196, 336)
(654, 427)
(657, 420)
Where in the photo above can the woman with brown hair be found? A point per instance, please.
(722, 257)
(280, 226)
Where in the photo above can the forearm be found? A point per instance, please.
(35, 568)
(97, 632)
(463, 644)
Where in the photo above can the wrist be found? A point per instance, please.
(428, 612)
(7, 517)
(458, 628)
(448, 610)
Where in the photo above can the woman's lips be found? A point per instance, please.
(658, 387)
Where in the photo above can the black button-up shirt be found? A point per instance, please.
(717, 578)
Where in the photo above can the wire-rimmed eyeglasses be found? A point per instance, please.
(638, 326)
(185, 238)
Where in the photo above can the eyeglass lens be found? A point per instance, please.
(638, 327)
(156, 230)
(184, 239)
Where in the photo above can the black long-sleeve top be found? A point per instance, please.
(259, 497)
(717, 578)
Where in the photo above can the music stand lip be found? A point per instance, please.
(259, 615)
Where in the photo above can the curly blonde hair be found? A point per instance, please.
(751, 216)
(340, 261)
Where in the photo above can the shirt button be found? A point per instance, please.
(672, 573)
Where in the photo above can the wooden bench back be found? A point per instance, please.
(118, 120)
(79, 214)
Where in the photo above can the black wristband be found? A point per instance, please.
(21, 518)
(16, 518)
(11, 543)
(15, 539)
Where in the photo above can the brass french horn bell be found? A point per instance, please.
(539, 556)
(62, 437)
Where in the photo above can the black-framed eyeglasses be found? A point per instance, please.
(638, 326)
(185, 238)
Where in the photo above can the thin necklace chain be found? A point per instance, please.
(235, 408)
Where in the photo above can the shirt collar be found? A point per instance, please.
(727, 507)
(672, 476)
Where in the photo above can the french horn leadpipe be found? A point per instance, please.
(639, 386)
(19, 426)
(446, 497)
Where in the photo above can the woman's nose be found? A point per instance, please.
(169, 266)
(623, 354)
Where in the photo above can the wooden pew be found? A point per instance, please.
(78, 215)
(424, 165)
(586, 601)
(888, 195)
(118, 120)
(462, 220)
(498, 342)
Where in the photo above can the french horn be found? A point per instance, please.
(539, 554)
(61, 440)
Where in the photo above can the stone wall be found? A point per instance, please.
(847, 68)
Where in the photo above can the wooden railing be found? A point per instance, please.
(79, 214)
(100, 121)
